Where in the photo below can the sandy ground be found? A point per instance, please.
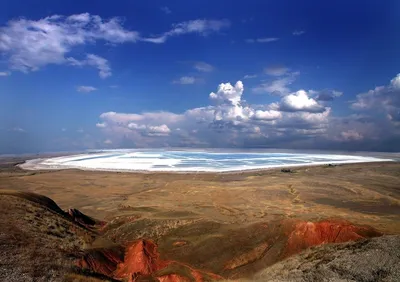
(231, 224)
(366, 193)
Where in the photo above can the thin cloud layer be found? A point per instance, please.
(277, 70)
(298, 32)
(202, 27)
(185, 80)
(85, 89)
(262, 40)
(166, 10)
(203, 67)
(5, 73)
(279, 87)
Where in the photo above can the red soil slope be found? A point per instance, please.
(141, 258)
(308, 234)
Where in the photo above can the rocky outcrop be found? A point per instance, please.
(375, 259)
(102, 261)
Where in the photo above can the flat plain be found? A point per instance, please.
(229, 224)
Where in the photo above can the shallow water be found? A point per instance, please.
(181, 161)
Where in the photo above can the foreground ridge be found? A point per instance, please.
(71, 245)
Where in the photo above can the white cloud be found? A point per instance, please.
(325, 95)
(101, 125)
(278, 86)
(201, 26)
(276, 70)
(159, 130)
(185, 80)
(32, 44)
(267, 39)
(166, 10)
(350, 135)
(95, 61)
(100, 63)
(150, 130)
(204, 67)
(5, 73)
(267, 115)
(382, 99)
(262, 40)
(17, 129)
(229, 115)
(85, 89)
(80, 130)
(107, 142)
(248, 76)
(228, 94)
(299, 101)
(298, 32)
(63, 129)
(395, 82)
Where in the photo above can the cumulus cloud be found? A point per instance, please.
(32, 44)
(262, 40)
(382, 99)
(267, 115)
(185, 80)
(86, 89)
(228, 121)
(203, 67)
(299, 101)
(228, 94)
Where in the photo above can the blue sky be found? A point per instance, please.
(263, 74)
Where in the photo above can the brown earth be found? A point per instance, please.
(185, 227)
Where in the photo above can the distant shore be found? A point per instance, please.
(30, 165)
(174, 165)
